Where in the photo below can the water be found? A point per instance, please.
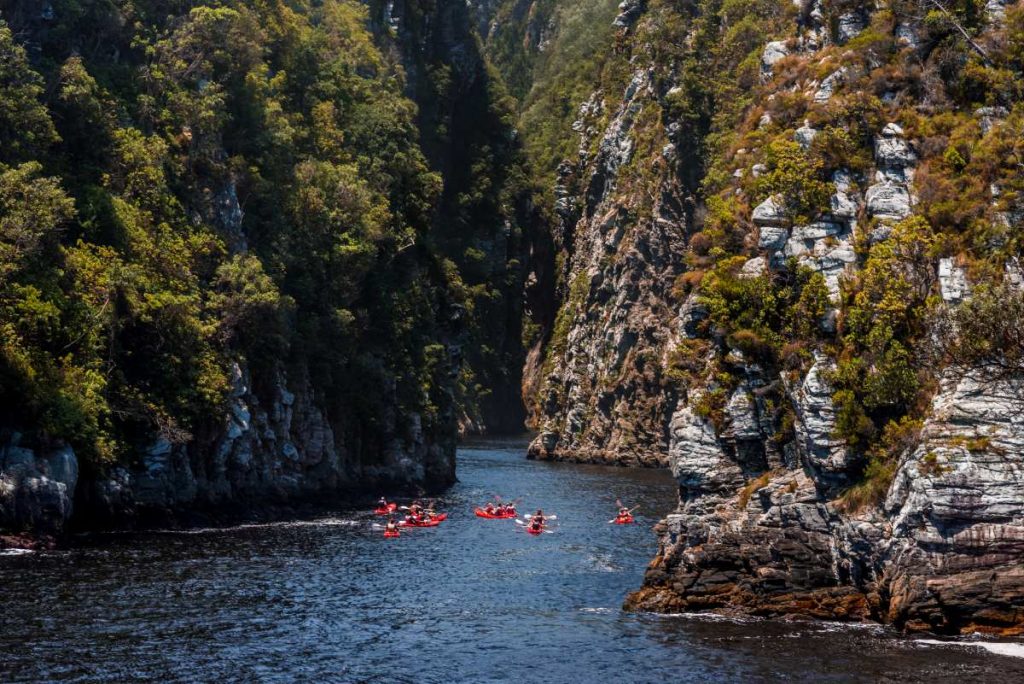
(473, 600)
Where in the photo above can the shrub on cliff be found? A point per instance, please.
(795, 177)
(983, 336)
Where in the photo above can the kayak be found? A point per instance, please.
(531, 530)
(391, 534)
(434, 522)
(624, 520)
(384, 510)
(481, 513)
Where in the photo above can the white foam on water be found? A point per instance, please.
(707, 617)
(602, 562)
(15, 552)
(1014, 650)
(598, 611)
(835, 626)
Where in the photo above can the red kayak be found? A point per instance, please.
(426, 523)
(391, 534)
(481, 513)
(624, 520)
(433, 522)
(390, 508)
(534, 530)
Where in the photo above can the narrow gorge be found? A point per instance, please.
(266, 254)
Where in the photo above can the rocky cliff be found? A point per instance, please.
(278, 448)
(771, 212)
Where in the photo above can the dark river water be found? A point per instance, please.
(473, 600)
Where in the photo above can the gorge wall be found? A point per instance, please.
(788, 270)
(252, 254)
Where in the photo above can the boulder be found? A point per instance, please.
(815, 427)
(805, 135)
(753, 268)
(828, 87)
(773, 53)
(995, 11)
(772, 238)
(629, 12)
(842, 207)
(952, 282)
(36, 492)
(62, 466)
(906, 35)
(849, 26)
(696, 457)
(816, 231)
(770, 213)
(741, 411)
(888, 201)
(989, 117)
(893, 151)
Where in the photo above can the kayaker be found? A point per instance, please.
(537, 522)
(383, 503)
(623, 512)
(391, 526)
(489, 508)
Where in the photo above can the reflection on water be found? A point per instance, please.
(472, 600)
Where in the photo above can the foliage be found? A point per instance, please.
(881, 331)
(229, 181)
(793, 176)
(984, 335)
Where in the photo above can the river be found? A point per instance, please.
(473, 600)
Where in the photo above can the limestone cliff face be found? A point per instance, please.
(277, 447)
(763, 526)
(602, 395)
(942, 554)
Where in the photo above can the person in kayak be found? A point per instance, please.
(391, 526)
(623, 512)
(489, 509)
(538, 520)
(383, 503)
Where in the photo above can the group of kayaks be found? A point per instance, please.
(417, 516)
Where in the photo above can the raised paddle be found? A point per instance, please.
(617, 517)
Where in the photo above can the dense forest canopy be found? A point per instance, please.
(184, 185)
